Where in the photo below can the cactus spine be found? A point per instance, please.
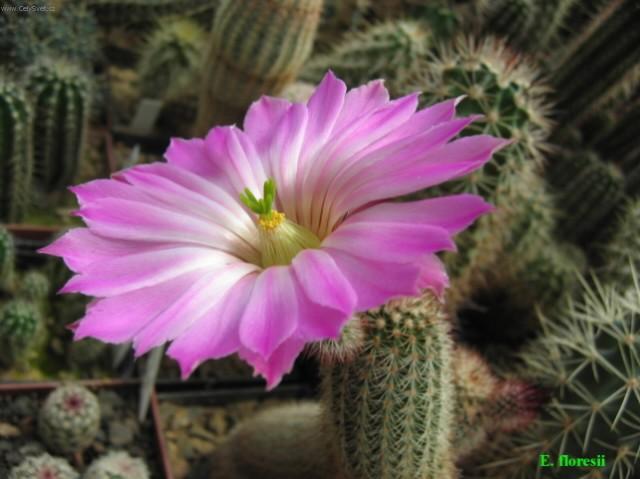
(256, 48)
(7, 260)
(20, 325)
(588, 356)
(116, 465)
(16, 153)
(171, 58)
(390, 409)
(62, 106)
(594, 64)
(43, 466)
(69, 419)
(293, 427)
(378, 52)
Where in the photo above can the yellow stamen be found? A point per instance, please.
(271, 221)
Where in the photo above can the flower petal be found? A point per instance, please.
(192, 156)
(278, 364)
(261, 117)
(433, 275)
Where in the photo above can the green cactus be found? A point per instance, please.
(390, 410)
(126, 12)
(339, 17)
(69, 419)
(34, 286)
(61, 95)
(292, 427)
(256, 48)
(117, 465)
(20, 327)
(588, 358)
(498, 85)
(342, 350)
(380, 51)
(7, 260)
(594, 64)
(43, 466)
(171, 58)
(16, 152)
(86, 352)
(622, 253)
(69, 33)
(590, 194)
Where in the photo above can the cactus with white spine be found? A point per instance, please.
(20, 327)
(69, 419)
(117, 465)
(588, 358)
(43, 466)
(62, 95)
(390, 409)
(256, 48)
(380, 51)
(16, 151)
(171, 58)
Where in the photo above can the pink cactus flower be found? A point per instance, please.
(261, 240)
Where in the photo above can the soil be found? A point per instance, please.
(119, 430)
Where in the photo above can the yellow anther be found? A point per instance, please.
(271, 221)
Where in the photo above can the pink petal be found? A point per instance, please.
(360, 102)
(433, 275)
(128, 273)
(271, 315)
(234, 153)
(192, 156)
(278, 364)
(398, 242)
(375, 282)
(79, 248)
(197, 301)
(261, 117)
(453, 213)
(214, 335)
(119, 318)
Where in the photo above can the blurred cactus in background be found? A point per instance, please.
(7, 260)
(62, 96)
(43, 466)
(20, 327)
(123, 12)
(256, 48)
(16, 151)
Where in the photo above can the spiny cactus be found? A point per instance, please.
(43, 466)
(622, 253)
(342, 350)
(61, 95)
(69, 419)
(124, 12)
(499, 85)
(34, 286)
(256, 48)
(485, 405)
(338, 17)
(590, 194)
(596, 61)
(390, 409)
(7, 260)
(588, 357)
(171, 58)
(249, 452)
(20, 325)
(16, 153)
(69, 32)
(380, 51)
(116, 465)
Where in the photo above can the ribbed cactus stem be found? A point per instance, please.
(61, 96)
(16, 152)
(7, 260)
(20, 326)
(256, 47)
(390, 410)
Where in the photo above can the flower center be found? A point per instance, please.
(280, 239)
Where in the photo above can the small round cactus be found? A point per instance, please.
(20, 324)
(117, 465)
(43, 467)
(69, 419)
(35, 286)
